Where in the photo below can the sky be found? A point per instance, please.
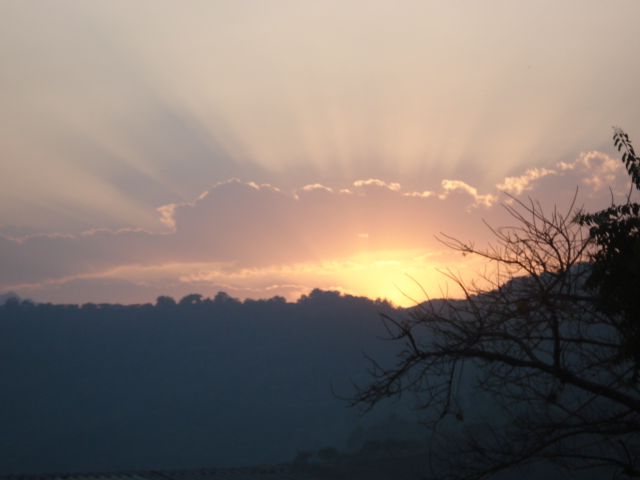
(267, 148)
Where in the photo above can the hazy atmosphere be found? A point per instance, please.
(207, 207)
(269, 148)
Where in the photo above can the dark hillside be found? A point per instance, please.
(198, 383)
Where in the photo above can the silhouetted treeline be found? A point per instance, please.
(13, 307)
(191, 383)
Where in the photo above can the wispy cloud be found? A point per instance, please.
(516, 185)
(451, 186)
(377, 183)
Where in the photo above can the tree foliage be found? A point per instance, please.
(542, 348)
(615, 278)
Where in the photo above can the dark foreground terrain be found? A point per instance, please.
(201, 383)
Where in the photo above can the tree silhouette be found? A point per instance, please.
(191, 299)
(165, 301)
(615, 278)
(537, 343)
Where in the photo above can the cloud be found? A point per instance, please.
(248, 237)
(424, 194)
(377, 183)
(450, 186)
(593, 178)
(238, 225)
(603, 170)
(590, 173)
(316, 186)
(106, 117)
(516, 185)
(166, 215)
(458, 186)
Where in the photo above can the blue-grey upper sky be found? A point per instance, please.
(121, 115)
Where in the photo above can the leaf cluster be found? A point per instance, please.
(615, 279)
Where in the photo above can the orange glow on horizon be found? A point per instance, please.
(405, 278)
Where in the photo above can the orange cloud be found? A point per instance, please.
(250, 238)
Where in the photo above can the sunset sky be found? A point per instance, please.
(270, 147)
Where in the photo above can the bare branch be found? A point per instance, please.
(529, 337)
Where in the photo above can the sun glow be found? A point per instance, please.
(405, 277)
